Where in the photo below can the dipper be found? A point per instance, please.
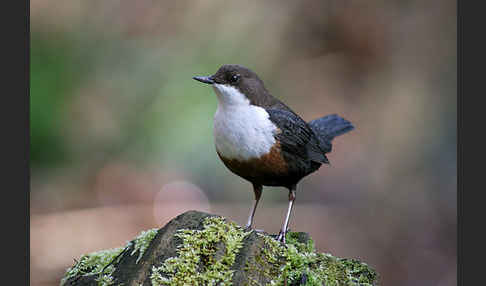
(262, 140)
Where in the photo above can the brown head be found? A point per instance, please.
(236, 77)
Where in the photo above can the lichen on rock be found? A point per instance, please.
(296, 263)
(142, 242)
(198, 248)
(199, 261)
(299, 264)
(101, 262)
(95, 263)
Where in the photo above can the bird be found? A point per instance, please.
(262, 140)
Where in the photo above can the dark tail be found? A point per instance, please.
(328, 127)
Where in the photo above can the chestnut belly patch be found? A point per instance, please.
(266, 169)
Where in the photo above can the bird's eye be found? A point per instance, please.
(234, 78)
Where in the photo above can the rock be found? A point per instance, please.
(197, 248)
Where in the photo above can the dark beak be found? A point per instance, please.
(205, 79)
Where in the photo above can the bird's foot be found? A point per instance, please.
(281, 237)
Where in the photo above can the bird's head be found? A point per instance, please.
(235, 84)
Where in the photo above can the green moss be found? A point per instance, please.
(199, 262)
(142, 241)
(205, 257)
(300, 263)
(95, 263)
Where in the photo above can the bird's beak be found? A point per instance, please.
(204, 79)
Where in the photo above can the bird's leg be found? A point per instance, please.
(283, 231)
(257, 189)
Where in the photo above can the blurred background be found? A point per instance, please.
(121, 136)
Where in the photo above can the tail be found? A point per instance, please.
(328, 127)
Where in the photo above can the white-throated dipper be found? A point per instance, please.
(262, 140)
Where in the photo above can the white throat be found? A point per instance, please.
(241, 131)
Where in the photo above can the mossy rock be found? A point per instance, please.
(197, 248)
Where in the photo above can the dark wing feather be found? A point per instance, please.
(296, 137)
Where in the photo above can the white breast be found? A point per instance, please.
(241, 131)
